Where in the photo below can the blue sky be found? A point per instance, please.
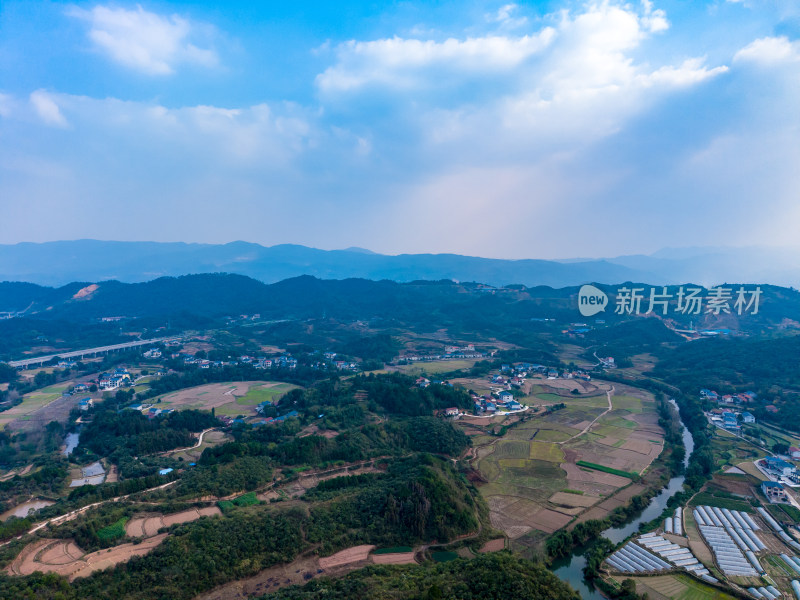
(539, 129)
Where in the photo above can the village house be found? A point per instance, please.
(774, 491)
(779, 467)
(748, 418)
(730, 422)
(505, 396)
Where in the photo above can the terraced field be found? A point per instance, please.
(535, 485)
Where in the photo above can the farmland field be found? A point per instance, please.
(231, 399)
(535, 484)
(264, 393)
(436, 366)
(31, 403)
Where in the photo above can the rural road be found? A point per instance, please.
(70, 515)
(199, 441)
(609, 393)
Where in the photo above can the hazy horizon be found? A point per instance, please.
(666, 251)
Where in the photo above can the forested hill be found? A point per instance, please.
(487, 577)
(217, 295)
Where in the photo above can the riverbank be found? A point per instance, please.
(571, 569)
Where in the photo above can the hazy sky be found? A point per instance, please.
(539, 129)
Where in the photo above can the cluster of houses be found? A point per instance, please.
(153, 353)
(266, 420)
(779, 468)
(450, 353)
(577, 330)
(515, 374)
(150, 411)
(608, 362)
(330, 363)
(490, 404)
(740, 398)
(729, 419)
(286, 361)
(203, 363)
(112, 381)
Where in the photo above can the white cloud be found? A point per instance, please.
(585, 53)
(399, 62)
(770, 50)
(690, 72)
(583, 86)
(47, 109)
(5, 105)
(144, 41)
(505, 17)
(654, 20)
(239, 137)
(526, 131)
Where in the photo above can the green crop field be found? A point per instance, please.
(706, 499)
(264, 393)
(604, 469)
(32, 402)
(512, 449)
(784, 512)
(552, 398)
(436, 366)
(629, 403)
(248, 499)
(231, 409)
(554, 433)
(507, 463)
(113, 531)
(679, 587)
(545, 451)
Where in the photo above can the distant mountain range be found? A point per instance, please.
(59, 263)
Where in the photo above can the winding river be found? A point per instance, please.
(570, 569)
